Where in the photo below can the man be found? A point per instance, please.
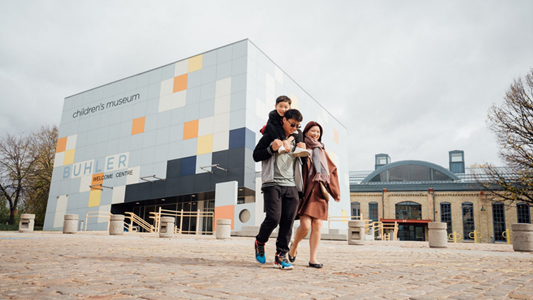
(282, 180)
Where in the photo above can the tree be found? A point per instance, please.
(43, 145)
(512, 123)
(16, 165)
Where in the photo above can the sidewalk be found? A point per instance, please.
(95, 265)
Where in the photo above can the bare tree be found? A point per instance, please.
(512, 123)
(16, 165)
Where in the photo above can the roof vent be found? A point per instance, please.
(381, 160)
(457, 161)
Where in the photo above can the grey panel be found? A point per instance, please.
(238, 83)
(240, 49)
(163, 119)
(162, 136)
(209, 58)
(224, 70)
(161, 153)
(194, 79)
(191, 112)
(175, 132)
(152, 106)
(238, 101)
(239, 66)
(136, 142)
(167, 72)
(177, 117)
(150, 122)
(209, 74)
(207, 108)
(224, 54)
(153, 90)
(208, 91)
(148, 155)
(155, 76)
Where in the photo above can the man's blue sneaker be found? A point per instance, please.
(260, 252)
(281, 262)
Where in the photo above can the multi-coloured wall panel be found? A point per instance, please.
(173, 133)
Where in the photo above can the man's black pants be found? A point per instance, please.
(281, 203)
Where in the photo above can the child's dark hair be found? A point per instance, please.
(294, 114)
(283, 99)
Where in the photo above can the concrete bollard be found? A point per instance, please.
(438, 237)
(166, 227)
(70, 224)
(522, 237)
(356, 232)
(116, 227)
(223, 229)
(26, 223)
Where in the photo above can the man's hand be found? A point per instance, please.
(301, 145)
(276, 144)
(287, 145)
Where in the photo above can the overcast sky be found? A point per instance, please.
(413, 79)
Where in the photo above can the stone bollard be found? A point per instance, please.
(166, 227)
(26, 223)
(522, 237)
(116, 227)
(70, 224)
(223, 229)
(356, 232)
(438, 237)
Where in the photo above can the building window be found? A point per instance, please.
(356, 209)
(446, 215)
(468, 220)
(373, 211)
(408, 211)
(522, 210)
(240, 200)
(498, 221)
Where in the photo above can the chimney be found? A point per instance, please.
(382, 159)
(457, 161)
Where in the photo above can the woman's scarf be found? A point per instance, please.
(318, 158)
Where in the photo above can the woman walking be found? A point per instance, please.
(320, 179)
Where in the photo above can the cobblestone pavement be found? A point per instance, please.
(95, 265)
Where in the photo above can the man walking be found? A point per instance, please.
(282, 180)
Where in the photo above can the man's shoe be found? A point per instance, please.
(299, 152)
(280, 261)
(260, 252)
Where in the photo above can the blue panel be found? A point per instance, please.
(250, 139)
(237, 138)
(188, 166)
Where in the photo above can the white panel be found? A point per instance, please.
(178, 99)
(167, 86)
(165, 103)
(134, 177)
(221, 122)
(325, 115)
(181, 67)
(270, 83)
(61, 208)
(346, 179)
(222, 104)
(202, 161)
(220, 141)
(278, 74)
(205, 126)
(85, 183)
(223, 87)
(104, 208)
(71, 142)
(226, 193)
(58, 160)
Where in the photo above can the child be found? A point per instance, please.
(274, 125)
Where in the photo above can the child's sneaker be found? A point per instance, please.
(299, 152)
(282, 150)
(280, 261)
(260, 252)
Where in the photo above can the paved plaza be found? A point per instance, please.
(95, 265)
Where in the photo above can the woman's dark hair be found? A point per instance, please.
(311, 124)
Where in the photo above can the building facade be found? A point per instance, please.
(180, 136)
(414, 193)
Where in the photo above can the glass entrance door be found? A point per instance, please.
(412, 232)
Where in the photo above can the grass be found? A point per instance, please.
(15, 227)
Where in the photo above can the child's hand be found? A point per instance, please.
(287, 145)
(301, 145)
(290, 139)
(276, 144)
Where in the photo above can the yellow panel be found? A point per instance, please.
(94, 198)
(336, 136)
(195, 63)
(205, 144)
(294, 101)
(69, 157)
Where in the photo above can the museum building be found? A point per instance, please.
(414, 193)
(179, 137)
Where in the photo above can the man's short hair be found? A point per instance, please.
(283, 99)
(294, 114)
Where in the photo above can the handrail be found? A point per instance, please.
(98, 214)
(136, 219)
(182, 214)
(341, 218)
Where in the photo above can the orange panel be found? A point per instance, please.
(336, 136)
(190, 130)
(61, 144)
(97, 179)
(138, 126)
(224, 212)
(180, 83)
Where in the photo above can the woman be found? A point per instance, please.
(313, 208)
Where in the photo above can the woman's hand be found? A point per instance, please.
(338, 198)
